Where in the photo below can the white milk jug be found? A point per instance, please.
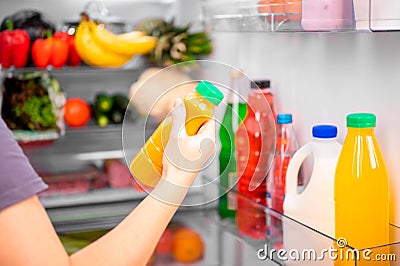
(314, 206)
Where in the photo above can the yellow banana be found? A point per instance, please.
(130, 35)
(131, 43)
(94, 54)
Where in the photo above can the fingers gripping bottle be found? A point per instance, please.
(146, 166)
(361, 191)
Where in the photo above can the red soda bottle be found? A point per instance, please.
(254, 140)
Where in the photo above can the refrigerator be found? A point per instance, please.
(318, 76)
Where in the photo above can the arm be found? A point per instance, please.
(31, 239)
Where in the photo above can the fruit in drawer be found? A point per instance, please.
(100, 47)
(76, 112)
(164, 246)
(187, 246)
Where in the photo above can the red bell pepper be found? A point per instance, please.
(51, 51)
(14, 47)
(73, 57)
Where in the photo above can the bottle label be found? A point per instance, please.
(232, 199)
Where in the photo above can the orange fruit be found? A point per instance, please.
(76, 112)
(187, 245)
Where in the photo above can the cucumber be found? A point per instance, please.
(102, 120)
(103, 103)
(116, 116)
(120, 102)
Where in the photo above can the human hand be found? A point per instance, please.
(184, 156)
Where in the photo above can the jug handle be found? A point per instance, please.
(294, 167)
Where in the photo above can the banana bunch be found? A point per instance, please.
(99, 47)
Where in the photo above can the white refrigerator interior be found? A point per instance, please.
(322, 77)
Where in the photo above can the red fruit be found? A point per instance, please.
(76, 112)
(164, 246)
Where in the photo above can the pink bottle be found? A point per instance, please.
(327, 15)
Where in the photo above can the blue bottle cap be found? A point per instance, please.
(324, 131)
(284, 119)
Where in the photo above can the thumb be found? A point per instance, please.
(178, 119)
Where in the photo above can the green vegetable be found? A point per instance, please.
(117, 116)
(120, 102)
(102, 120)
(39, 110)
(104, 103)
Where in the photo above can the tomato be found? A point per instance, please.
(76, 112)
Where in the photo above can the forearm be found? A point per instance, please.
(133, 241)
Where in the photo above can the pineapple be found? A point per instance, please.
(175, 44)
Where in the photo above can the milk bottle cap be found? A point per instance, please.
(324, 131)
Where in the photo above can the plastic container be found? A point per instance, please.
(227, 157)
(146, 166)
(361, 190)
(254, 141)
(376, 16)
(314, 205)
(286, 145)
(327, 15)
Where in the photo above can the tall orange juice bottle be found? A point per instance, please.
(146, 166)
(361, 192)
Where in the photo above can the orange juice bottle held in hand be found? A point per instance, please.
(361, 192)
(146, 166)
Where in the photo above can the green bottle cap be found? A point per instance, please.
(210, 92)
(361, 120)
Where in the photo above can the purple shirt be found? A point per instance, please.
(18, 180)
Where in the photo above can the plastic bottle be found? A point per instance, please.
(254, 141)
(146, 166)
(286, 145)
(361, 190)
(227, 156)
(314, 205)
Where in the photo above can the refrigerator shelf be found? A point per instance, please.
(81, 147)
(285, 233)
(101, 209)
(286, 16)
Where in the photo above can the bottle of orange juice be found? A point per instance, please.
(361, 191)
(146, 166)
